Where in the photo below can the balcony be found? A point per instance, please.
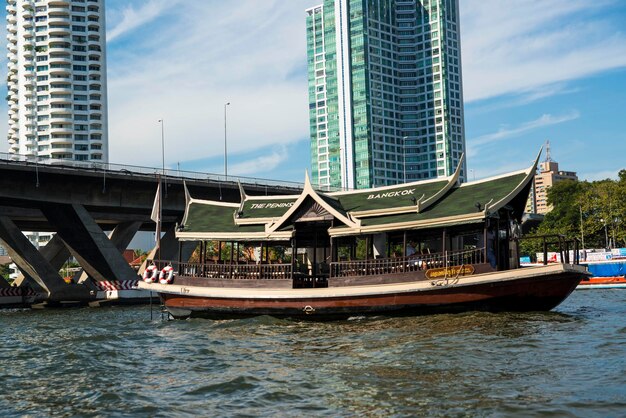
(61, 118)
(58, 9)
(62, 132)
(58, 3)
(61, 88)
(59, 30)
(60, 60)
(59, 20)
(60, 47)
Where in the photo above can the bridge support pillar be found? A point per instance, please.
(55, 252)
(121, 236)
(96, 254)
(29, 259)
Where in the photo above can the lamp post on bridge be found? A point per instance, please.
(606, 234)
(162, 122)
(225, 144)
(162, 145)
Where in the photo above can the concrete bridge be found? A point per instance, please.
(95, 211)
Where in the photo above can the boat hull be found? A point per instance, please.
(537, 289)
(602, 283)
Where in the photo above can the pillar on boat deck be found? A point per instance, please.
(55, 252)
(29, 260)
(379, 242)
(96, 254)
(311, 256)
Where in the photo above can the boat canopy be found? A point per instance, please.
(419, 205)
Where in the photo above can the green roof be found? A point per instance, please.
(458, 202)
(206, 217)
(266, 208)
(367, 211)
(389, 197)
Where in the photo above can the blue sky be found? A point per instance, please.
(534, 70)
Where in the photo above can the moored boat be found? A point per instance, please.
(602, 283)
(429, 246)
(605, 275)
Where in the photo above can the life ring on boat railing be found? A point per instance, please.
(167, 275)
(151, 274)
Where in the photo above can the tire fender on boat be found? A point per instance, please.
(150, 274)
(167, 275)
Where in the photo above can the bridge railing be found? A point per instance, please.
(136, 170)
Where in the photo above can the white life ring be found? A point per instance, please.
(167, 275)
(151, 274)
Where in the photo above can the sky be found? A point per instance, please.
(533, 70)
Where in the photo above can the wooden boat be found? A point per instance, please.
(422, 247)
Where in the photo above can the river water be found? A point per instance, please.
(117, 362)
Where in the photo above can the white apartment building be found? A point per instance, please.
(57, 91)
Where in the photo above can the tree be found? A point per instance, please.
(594, 211)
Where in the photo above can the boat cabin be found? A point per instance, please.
(432, 230)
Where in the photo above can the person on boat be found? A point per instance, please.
(410, 249)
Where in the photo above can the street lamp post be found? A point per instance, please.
(225, 144)
(615, 220)
(162, 122)
(606, 234)
(162, 145)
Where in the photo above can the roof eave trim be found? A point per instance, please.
(309, 191)
(428, 223)
(453, 181)
(255, 221)
(530, 174)
(233, 236)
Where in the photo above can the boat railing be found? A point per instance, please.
(408, 264)
(235, 271)
(567, 249)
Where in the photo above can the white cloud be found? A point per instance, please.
(263, 163)
(522, 45)
(132, 18)
(505, 132)
(201, 57)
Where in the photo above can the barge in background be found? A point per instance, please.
(610, 274)
(422, 247)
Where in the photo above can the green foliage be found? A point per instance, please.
(595, 211)
(5, 271)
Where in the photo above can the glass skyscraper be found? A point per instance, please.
(385, 91)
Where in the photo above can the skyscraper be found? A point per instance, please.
(57, 79)
(385, 91)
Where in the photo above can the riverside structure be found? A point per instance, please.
(385, 91)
